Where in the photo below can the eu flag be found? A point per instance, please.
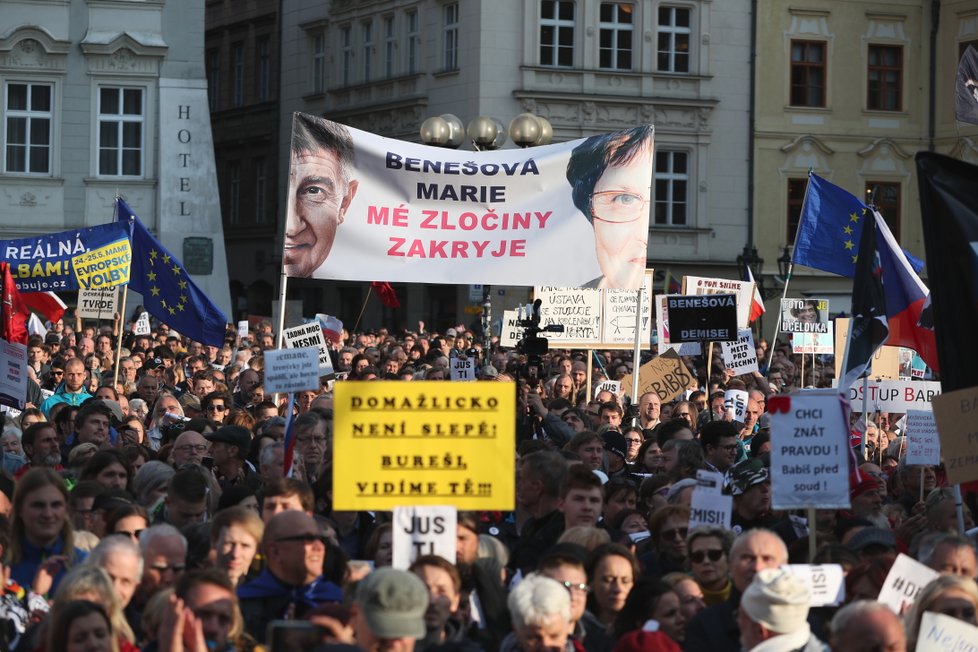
(168, 292)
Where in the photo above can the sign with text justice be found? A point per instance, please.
(362, 207)
(424, 443)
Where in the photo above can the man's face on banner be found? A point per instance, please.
(318, 199)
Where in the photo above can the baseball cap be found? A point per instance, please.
(234, 435)
(393, 603)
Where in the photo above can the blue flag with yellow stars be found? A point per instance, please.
(168, 292)
(829, 230)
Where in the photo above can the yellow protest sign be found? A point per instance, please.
(665, 375)
(954, 413)
(424, 443)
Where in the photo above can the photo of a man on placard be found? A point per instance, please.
(320, 192)
(804, 316)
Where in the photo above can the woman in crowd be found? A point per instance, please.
(236, 534)
(652, 599)
(89, 582)
(689, 592)
(611, 572)
(128, 520)
(649, 458)
(81, 626)
(709, 562)
(110, 468)
(950, 595)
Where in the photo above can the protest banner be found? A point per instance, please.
(578, 310)
(462, 368)
(613, 386)
(827, 582)
(744, 290)
(424, 443)
(94, 257)
(13, 374)
(665, 375)
(709, 507)
(818, 343)
(101, 303)
(804, 316)
(702, 318)
(940, 633)
(735, 403)
(142, 325)
(904, 582)
(923, 444)
(510, 331)
(420, 214)
(428, 530)
(243, 328)
(740, 356)
(310, 335)
(957, 428)
(618, 316)
(810, 451)
(662, 330)
(886, 360)
(898, 396)
(291, 370)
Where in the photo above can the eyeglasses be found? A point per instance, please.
(617, 206)
(57, 373)
(162, 568)
(700, 555)
(574, 586)
(631, 441)
(672, 533)
(215, 408)
(186, 448)
(306, 538)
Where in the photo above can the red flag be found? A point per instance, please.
(47, 304)
(387, 295)
(13, 312)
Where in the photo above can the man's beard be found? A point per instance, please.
(51, 460)
(878, 519)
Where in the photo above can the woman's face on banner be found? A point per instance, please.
(620, 208)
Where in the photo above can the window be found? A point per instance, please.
(237, 74)
(319, 63)
(368, 44)
(615, 38)
(264, 68)
(120, 131)
(450, 61)
(885, 78)
(234, 192)
(261, 179)
(672, 54)
(414, 42)
(390, 46)
(214, 79)
(346, 37)
(28, 119)
(556, 33)
(671, 181)
(808, 73)
(796, 199)
(887, 200)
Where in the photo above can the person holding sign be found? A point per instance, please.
(320, 192)
(950, 595)
(610, 180)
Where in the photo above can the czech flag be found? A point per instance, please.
(757, 301)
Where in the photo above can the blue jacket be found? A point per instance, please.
(23, 572)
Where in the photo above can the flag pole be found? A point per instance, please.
(118, 344)
(637, 354)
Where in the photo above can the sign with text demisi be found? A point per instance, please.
(390, 210)
(702, 318)
(424, 443)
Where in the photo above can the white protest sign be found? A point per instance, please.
(743, 289)
(735, 402)
(509, 329)
(141, 326)
(827, 582)
(291, 370)
(905, 581)
(423, 531)
(243, 328)
(810, 451)
(740, 356)
(310, 335)
(898, 396)
(578, 310)
(940, 633)
(613, 386)
(13, 374)
(618, 315)
(804, 316)
(813, 343)
(98, 303)
(662, 330)
(923, 443)
(709, 507)
(462, 368)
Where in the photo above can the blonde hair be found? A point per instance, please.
(32, 481)
(88, 580)
(583, 535)
(929, 595)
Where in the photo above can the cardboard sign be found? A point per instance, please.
(510, 331)
(665, 375)
(310, 335)
(702, 318)
(940, 633)
(886, 360)
(142, 327)
(423, 531)
(955, 413)
(618, 315)
(13, 374)
(735, 402)
(709, 507)
(662, 330)
(462, 369)
(743, 289)
(905, 581)
(740, 356)
(424, 443)
(578, 310)
(291, 370)
(897, 396)
(820, 343)
(810, 451)
(923, 444)
(243, 328)
(827, 582)
(804, 316)
(98, 304)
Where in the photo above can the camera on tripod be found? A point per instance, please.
(532, 345)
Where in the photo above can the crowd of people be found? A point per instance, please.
(144, 504)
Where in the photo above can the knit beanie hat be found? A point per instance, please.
(778, 600)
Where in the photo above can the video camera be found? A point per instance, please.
(531, 344)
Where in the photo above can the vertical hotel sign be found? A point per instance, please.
(424, 443)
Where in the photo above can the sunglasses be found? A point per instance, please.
(304, 538)
(671, 534)
(132, 534)
(700, 556)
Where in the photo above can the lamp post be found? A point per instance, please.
(486, 134)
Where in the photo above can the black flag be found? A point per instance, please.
(949, 211)
(869, 327)
(966, 88)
